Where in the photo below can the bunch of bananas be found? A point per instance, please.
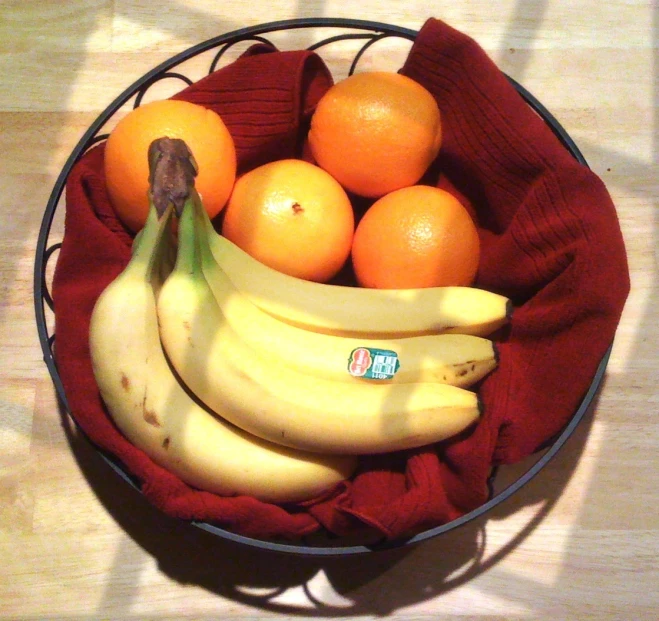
(242, 380)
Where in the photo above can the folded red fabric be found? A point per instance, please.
(550, 241)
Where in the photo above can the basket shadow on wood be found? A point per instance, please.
(367, 34)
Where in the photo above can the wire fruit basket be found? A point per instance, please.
(327, 32)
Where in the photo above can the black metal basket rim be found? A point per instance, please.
(43, 253)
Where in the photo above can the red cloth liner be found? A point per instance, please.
(550, 241)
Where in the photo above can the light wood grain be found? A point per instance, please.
(581, 541)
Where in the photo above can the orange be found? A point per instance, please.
(419, 236)
(292, 216)
(127, 165)
(376, 132)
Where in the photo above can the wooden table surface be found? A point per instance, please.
(580, 541)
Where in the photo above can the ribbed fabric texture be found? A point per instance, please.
(550, 241)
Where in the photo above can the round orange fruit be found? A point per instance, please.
(126, 161)
(376, 132)
(292, 216)
(415, 237)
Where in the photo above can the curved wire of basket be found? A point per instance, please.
(371, 33)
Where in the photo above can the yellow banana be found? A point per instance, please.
(356, 311)
(457, 359)
(280, 404)
(155, 412)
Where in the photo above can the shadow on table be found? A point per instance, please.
(374, 583)
(378, 583)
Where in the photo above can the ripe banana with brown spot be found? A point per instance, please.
(357, 311)
(156, 413)
(278, 403)
(457, 359)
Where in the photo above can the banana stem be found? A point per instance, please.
(204, 228)
(172, 170)
(188, 260)
(149, 247)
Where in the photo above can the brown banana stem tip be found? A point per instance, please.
(172, 171)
